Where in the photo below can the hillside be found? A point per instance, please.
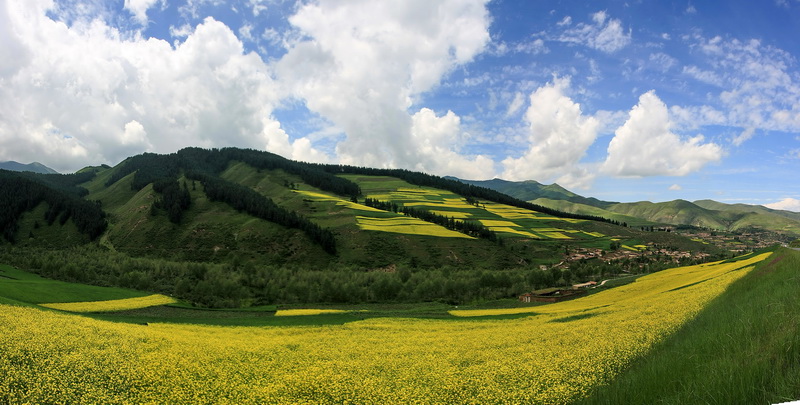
(531, 190)
(702, 213)
(267, 229)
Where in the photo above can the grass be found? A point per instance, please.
(27, 288)
(743, 348)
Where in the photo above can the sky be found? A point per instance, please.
(618, 100)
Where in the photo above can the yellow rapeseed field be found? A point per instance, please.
(407, 225)
(112, 305)
(339, 201)
(308, 311)
(552, 356)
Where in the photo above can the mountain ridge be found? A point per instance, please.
(701, 213)
(34, 167)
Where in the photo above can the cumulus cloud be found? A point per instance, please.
(362, 65)
(558, 137)
(675, 187)
(605, 34)
(646, 146)
(787, 204)
(139, 9)
(88, 94)
(435, 137)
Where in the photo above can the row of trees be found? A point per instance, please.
(241, 283)
(205, 165)
(472, 228)
(150, 167)
(238, 283)
(244, 199)
(20, 193)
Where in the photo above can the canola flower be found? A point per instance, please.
(112, 305)
(407, 225)
(553, 356)
(308, 311)
(339, 201)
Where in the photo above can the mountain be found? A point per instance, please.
(703, 213)
(530, 190)
(34, 167)
(232, 227)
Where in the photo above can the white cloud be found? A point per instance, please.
(675, 187)
(516, 104)
(745, 135)
(434, 139)
(535, 47)
(646, 146)
(787, 204)
(362, 65)
(759, 89)
(257, 6)
(558, 137)
(610, 120)
(134, 134)
(90, 94)
(180, 32)
(139, 9)
(606, 34)
(705, 76)
(662, 61)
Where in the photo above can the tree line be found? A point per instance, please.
(20, 193)
(205, 166)
(471, 228)
(244, 199)
(149, 167)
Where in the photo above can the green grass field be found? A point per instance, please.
(743, 348)
(21, 287)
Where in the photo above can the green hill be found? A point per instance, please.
(702, 213)
(568, 206)
(531, 190)
(264, 229)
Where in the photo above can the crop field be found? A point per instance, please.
(112, 305)
(339, 201)
(308, 312)
(554, 354)
(407, 225)
(505, 220)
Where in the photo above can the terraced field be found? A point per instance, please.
(505, 220)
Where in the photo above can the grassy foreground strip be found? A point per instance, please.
(554, 357)
(743, 348)
(112, 305)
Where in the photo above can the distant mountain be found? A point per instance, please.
(531, 190)
(34, 167)
(702, 213)
(758, 209)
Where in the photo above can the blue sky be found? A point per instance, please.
(623, 101)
